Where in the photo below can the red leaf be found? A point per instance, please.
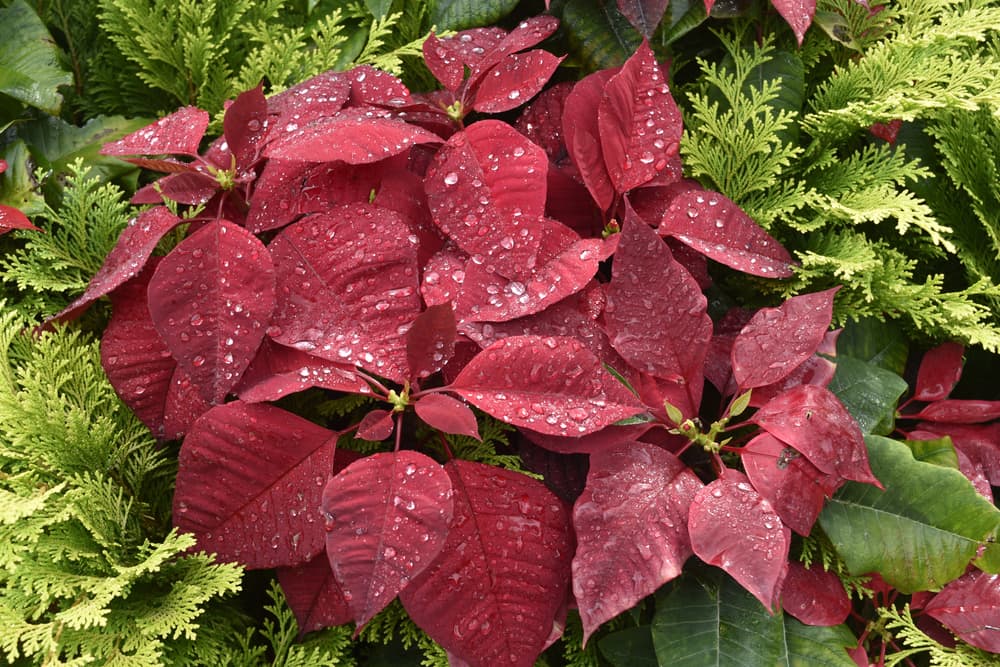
(795, 488)
(631, 529)
(249, 483)
(515, 80)
(430, 342)
(541, 121)
(940, 370)
(644, 15)
(444, 63)
(716, 227)
(245, 125)
(816, 370)
(777, 340)
(370, 86)
(960, 411)
(353, 136)
(493, 593)
(387, 517)
(314, 595)
(486, 191)
(656, 315)
(798, 14)
(970, 607)
(322, 95)
(640, 125)
(210, 300)
(377, 425)
(135, 244)
(346, 282)
(277, 371)
(176, 134)
(815, 596)
(527, 34)
(734, 527)
(814, 422)
(12, 218)
(447, 414)
(583, 136)
(189, 187)
(184, 406)
(548, 384)
(979, 442)
(887, 131)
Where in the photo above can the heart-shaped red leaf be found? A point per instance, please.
(795, 488)
(644, 15)
(798, 14)
(12, 218)
(734, 527)
(940, 370)
(353, 136)
(211, 299)
(970, 607)
(815, 596)
(656, 315)
(816, 424)
(515, 80)
(719, 229)
(640, 124)
(777, 340)
(314, 595)
(583, 136)
(277, 371)
(245, 125)
(387, 517)
(551, 385)
(176, 134)
(430, 342)
(126, 259)
(491, 596)
(631, 529)
(347, 286)
(447, 414)
(249, 482)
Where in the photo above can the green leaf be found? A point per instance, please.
(879, 343)
(17, 185)
(378, 8)
(55, 144)
(598, 34)
(29, 59)
(869, 393)
(462, 14)
(921, 532)
(709, 619)
(632, 647)
(682, 17)
(940, 452)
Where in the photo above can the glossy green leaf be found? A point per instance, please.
(682, 17)
(599, 35)
(869, 393)
(29, 59)
(879, 343)
(462, 14)
(55, 144)
(632, 647)
(709, 619)
(940, 452)
(921, 532)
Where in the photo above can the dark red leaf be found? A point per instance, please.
(135, 244)
(245, 125)
(249, 482)
(940, 370)
(492, 595)
(211, 299)
(525, 35)
(515, 80)
(656, 316)
(718, 361)
(777, 340)
(387, 518)
(817, 370)
(347, 288)
(370, 86)
(640, 125)
(795, 488)
(184, 406)
(277, 371)
(798, 14)
(816, 424)
(189, 187)
(176, 134)
(403, 192)
(631, 529)
(353, 136)
(960, 411)
(314, 595)
(970, 607)
(12, 218)
(815, 596)
(548, 384)
(445, 64)
(447, 414)
(430, 342)
(166, 165)
(979, 442)
(583, 136)
(886, 131)
(716, 227)
(734, 527)
(469, 46)
(644, 15)
(541, 121)
(322, 95)
(377, 425)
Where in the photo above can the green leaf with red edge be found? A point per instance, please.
(12, 218)
(583, 136)
(245, 126)
(939, 372)
(639, 122)
(249, 482)
(631, 529)
(492, 594)
(179, 133)
(970, 607)
(447, 414)
(515, 80)
(815, 596)
(552, 385)
(430, 342)
(735, 528)
(211, 299)
(387, 518)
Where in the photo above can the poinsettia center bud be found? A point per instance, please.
(225, 178)
(401, 400)
(611, 228)
(455, 111)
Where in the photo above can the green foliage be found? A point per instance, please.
(393, 625)
(30, 71)
(917, 642)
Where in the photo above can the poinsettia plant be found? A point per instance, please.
(353, 237)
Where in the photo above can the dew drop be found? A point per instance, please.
(450, 178)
